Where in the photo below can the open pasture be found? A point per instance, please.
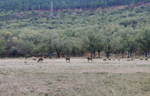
(56, 77)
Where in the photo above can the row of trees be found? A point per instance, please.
(109, 39)
(76, 32)
(58, 4)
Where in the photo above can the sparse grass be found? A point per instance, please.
(58, 78)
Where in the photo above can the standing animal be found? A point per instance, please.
(89, 58)
(40, 59)
(67, 58)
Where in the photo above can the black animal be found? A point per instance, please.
(89, 58)
(40, 59)
(68, 58)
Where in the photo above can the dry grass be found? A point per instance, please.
(57, 77)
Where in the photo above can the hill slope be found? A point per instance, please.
(58, 4)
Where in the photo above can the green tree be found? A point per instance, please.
(89, 41)
(129, 38)
(25, 41)
(108, 33)
(143, 38)
(48, 38)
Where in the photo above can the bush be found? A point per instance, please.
(28, 55)
(109, 58)
(34, 58)
(29, 13)
(141, 58)
(138, 9)
(128, 59)
(132, 58)
(146, 58)
(80, 11)
(104, 59)
(21, 13)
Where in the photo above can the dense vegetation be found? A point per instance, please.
(19, 5)
(75, 32)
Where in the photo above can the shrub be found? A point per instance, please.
(80, 11)
(109, 58)
(28, 55)
(104, 59)
(138, 9)
(54, 22)
(128, 59)
(29, 13)
(34, 58)
(146, 58)
(21, 13)
(36, 12)
(132, 58)
(141, 58)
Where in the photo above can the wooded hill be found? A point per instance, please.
(75, 32)
(21, 5)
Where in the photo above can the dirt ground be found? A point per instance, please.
(56, 77)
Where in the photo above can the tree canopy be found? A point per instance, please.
(74, 32)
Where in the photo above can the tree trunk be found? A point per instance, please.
(146, 54)
(58, 54)
(98, 54)
(50, 54)
(107, 54)
(128, 54)
(122, 54)
(93, 55)
(26, 54)
(74, 54)
(131, 54)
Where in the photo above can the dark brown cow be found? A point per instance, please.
(68, 58)
(40, 59)
(89, 58)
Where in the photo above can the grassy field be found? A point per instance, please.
(56, 77)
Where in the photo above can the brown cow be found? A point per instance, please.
(67, 58)
(89, 58)
(40, 59)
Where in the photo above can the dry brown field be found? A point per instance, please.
(56, 77)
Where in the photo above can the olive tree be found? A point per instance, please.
(25, 41)
(48, 38)
(143, 38)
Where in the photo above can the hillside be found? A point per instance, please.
(22, 5)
